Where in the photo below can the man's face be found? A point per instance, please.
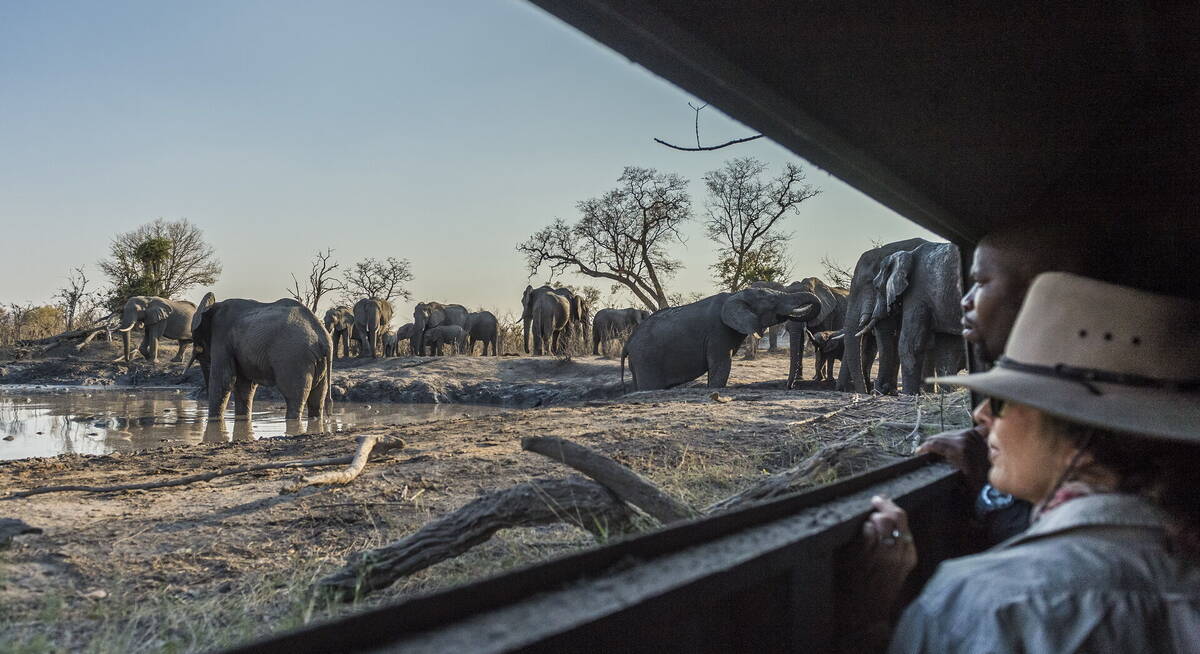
(991, 304)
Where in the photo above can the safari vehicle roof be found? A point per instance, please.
(959, 116)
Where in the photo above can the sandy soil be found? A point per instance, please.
(213, 563)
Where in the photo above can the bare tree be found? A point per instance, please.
(744, 212)
(165, 257)
(621, 236)
(320, 281)
(379, 279)
(73, 296)
(835, 273)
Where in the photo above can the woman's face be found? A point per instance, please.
(1027, 459)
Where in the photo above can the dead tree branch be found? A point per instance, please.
(582, 503)
(623, 482)
(369, 444)
(782, 482)
(708, 147)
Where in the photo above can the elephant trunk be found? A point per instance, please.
(125, 342)
(526, 322)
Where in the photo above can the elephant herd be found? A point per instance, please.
(902, 306)
(434, 326)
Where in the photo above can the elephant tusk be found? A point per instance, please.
(865, 329)
(838, 337)
(124, 329)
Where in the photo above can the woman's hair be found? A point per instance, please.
(1165, 472)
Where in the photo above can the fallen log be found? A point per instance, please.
(623, 482)
(371, 443)
(782, 482)
(577, 501)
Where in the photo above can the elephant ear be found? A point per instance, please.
(158, 311)
(205, 304)
(892, 280)
(737, 314)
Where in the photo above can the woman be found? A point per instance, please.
(1094, 417)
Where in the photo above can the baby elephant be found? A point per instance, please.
(451, 335)
(827, 346)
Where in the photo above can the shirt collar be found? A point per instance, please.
(1102, 509)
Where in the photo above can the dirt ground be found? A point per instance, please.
(214, 563)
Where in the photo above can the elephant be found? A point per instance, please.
(452, 335)
(676, 345)
(549, 315)
(610, 324)
(832, 316)
(578, 313)
(389, 343)
(161, 318)
(482, 326)
(428, 315)
(404, 337)
(243, 343)
(371, 318)
(827, 348)
(921, 288)
(339, 322)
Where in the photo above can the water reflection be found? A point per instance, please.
(46, 421)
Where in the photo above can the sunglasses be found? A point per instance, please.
(996, 406)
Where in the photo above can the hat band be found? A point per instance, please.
(1087, 376)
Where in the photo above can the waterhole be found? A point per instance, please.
(47, 421)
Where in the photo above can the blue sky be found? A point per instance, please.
(440, 132)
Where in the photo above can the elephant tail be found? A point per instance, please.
(329, 384)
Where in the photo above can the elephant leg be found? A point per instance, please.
(888, 343)
(718, 368)
(316, 398)
(869, 348)
(295, 390)
(182, 346)
(243, 398)
(220, 383)
(820, 364)
(914, 348)
(125, 341)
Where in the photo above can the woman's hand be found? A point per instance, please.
(881, 561)
(965, 450)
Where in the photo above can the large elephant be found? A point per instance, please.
(614, 324)
(371, 319)
(549, 316)
(339, 322)
(243, 343)
(161, 318)
(428, 315)
(452, 335)
(922, 288)
(676, 345)
(578, 313)
(860, 352)
(482, 326)
(831, 317)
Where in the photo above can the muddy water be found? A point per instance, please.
(47, 421)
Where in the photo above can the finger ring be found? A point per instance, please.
(895, 537)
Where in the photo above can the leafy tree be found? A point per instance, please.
(621, 236)
(744, 215)
(163, 258)
(764, 264)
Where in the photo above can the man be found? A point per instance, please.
(1004, 264)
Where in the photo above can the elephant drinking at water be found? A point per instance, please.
(243, 343)
(676, 345)
(161, 318)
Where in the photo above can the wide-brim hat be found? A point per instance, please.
(1101, 355)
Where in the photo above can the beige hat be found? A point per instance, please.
(1102, 355)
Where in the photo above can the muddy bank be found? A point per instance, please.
(197, 567)
(521, 382)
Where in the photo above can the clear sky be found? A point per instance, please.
(440, 132)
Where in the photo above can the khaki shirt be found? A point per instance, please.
(1093, 575)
